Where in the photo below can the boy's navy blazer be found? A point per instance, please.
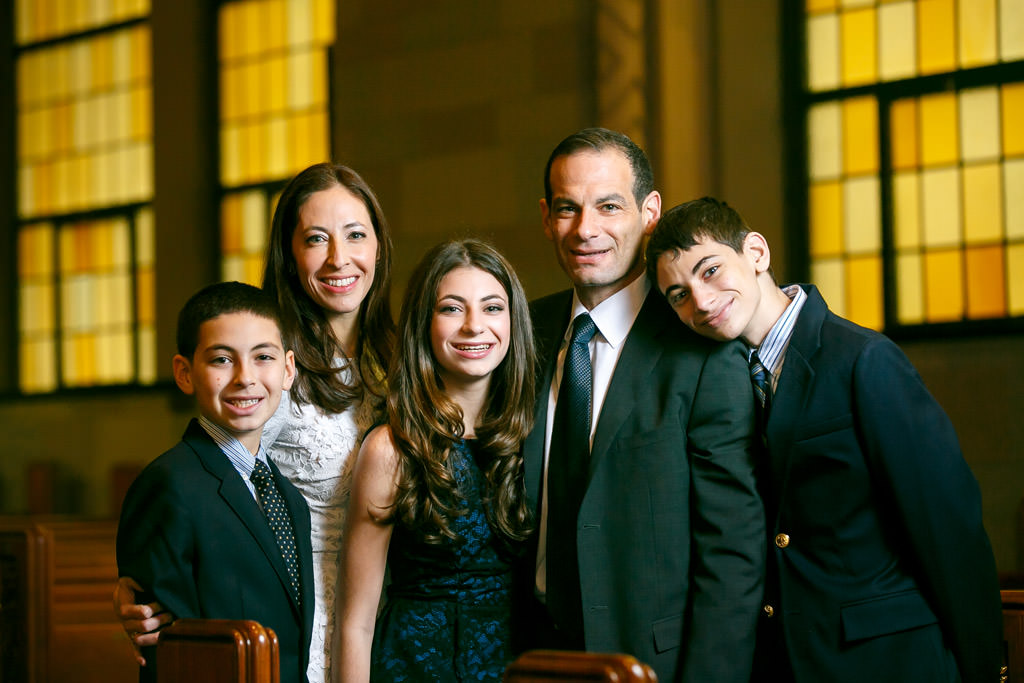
(192, 533)
(876, 539)
(671, 530)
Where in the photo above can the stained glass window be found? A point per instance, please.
(273, 114)
(85, 179)
(915, 158)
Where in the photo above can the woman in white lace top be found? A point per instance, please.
(329, 268)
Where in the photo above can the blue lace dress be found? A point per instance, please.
(448, 606)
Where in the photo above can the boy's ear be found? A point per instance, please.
(289, 370)
(183, 374)
(755, 246)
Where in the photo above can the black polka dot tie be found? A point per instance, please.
(279, 520)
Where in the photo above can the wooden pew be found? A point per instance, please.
(56, 621)
(1013, 634)
(556, 666)
(217, 651)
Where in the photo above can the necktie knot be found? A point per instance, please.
(583, 329)
(762, 383)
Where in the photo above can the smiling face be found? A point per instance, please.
(716, 291)
(471, 327)
(335, 250)
(237, 373)
(595, 223)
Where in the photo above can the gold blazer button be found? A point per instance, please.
(782, 540)
(769, 611)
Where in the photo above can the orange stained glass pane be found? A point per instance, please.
(939, 140)
(826, 219)
(102, 62)
(256, 140)
(141, 46)
(907, 210)
(1015, 278)
(254, 269)
(276, 88)
(910, 298)
(1012, 116)
(979, 124)
(142, 113)
(986, 286)
(828, 276)
(277, 18)
(944, 286)
(983, 203)
(1011, 29)
(820, 5)
(318, 136)
(822, 52)
(250, 33)
(228, 32)
(936, 36)
(251, 89)
(825, 149)
(862, 228)
(903, 132)
(860, 135)
(35, 251)
(1013, 195)
(231, 223)
(864, 291)
(976, 30)
(145, 286)
(940, 201)
(859, 47)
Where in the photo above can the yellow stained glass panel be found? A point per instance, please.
(1015, 278)
(822, 52)
(1011, 29)
(825, 149)
(1012, 116)
(976, 30)
(943, 286)
(820, 5)
(897, 40)
(826, 219)
(986, 297)
(983, 202)
(38, 366)
(907, 210)
(909, 293)
(862, 228)
(827, 274)
(979, 124)
(936, 36)
(864, 289)
(903, 132)
(860, 135)
(940, 194)
(859, 47)
(939, 140)
(1013, 179)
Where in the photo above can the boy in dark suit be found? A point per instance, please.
(210, 528)
(879, 568)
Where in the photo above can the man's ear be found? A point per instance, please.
(755, 247)
(545, 218)
(650, 211)
(289, 369)
(183, 374)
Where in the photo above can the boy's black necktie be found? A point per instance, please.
(279, 519)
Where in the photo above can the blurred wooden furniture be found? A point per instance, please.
(1013, 634)
(556, 666)
(57, 624)
(217, 651)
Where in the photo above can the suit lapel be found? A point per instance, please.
(238, 497)
(640, 354)
(790, 400)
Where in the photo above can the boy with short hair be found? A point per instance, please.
(879, 567)
(210, 528)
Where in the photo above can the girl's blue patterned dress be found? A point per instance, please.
(448, 606)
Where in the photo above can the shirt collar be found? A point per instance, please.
(615, 315)
(239, 455)
(773, 347)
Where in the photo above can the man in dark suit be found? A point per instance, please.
(656, 548)
(202, 540)
(879, 567)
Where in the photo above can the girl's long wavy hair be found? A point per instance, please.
(425, 422)
(306, 329)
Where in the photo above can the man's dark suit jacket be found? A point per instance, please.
(194, 536)
(881, 562)
(670, 532)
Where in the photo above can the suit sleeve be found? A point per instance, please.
(727, 523)
(155, 543)
(914, 453)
